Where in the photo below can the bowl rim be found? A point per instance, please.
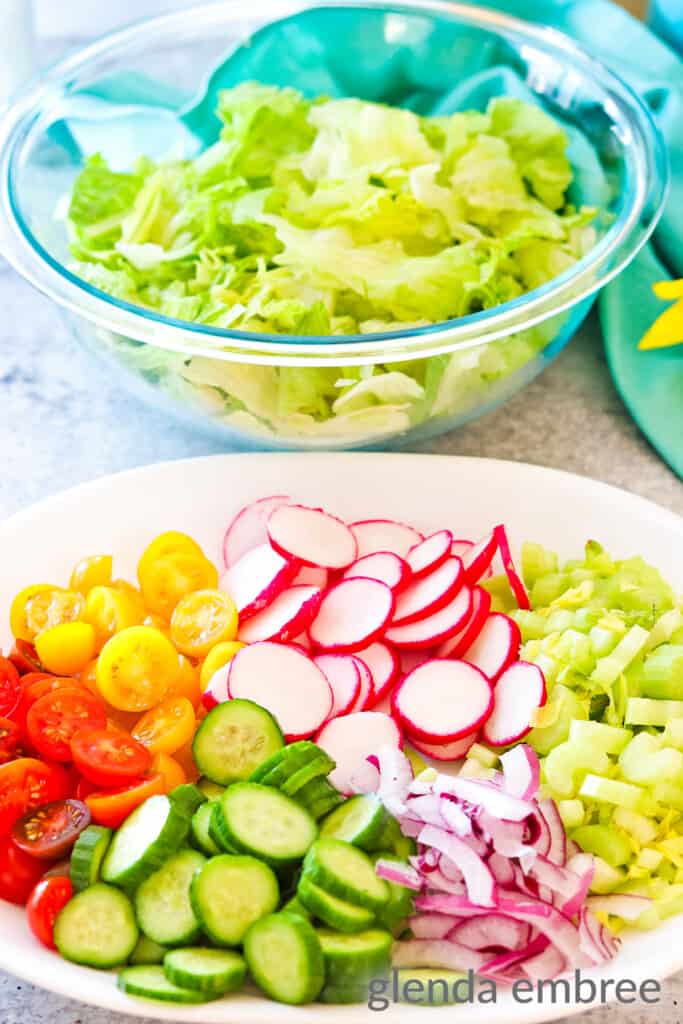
(617, 247)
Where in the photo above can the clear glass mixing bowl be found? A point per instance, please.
(227, 381)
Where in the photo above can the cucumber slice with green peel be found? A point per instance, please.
(259, 773)
(215, 832)
(353, 960)
(87, 856)
(295, 906)
(346, 872)
(150, 982)
(391, 838)
(148, 952)
(437, 985)
(321, 807)
(234, 739)
(285, 959)
(336, 913)
(213, 972)
(187, 797)
(230, 893)
(148, 837)
(211, 790)
(360, 820)
(404, 847)
(97, 927)
(294, 757)
(162, 903)
(199, 830)
(341, 994)
(317, 768)
(400, 906)
(258, 820)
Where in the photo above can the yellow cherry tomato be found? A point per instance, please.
(67, 648)
(108, 611)
(203, 619)
(94, 571)
(166, 544)
(186, 683)
(156, 622)
(88, 676)
(136, 668)
(185, 759)
(166, 728)
(173, 773)
(167, 580)
(217, 657)
(134, 596)
(42, 606)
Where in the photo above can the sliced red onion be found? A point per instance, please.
(507, 837)
(521, 772)
(442, 953)
(439, 882)
(551, 922)
(454, 906)
(491, 931)
(432, 926)
(593, 940)
(583, 866)
(501, 869)
(557, 852)
(395, 777)
(454, 816)
(485, 794)
(427, 808)
(481, 886)
(624, 905)
(559, 880)
(400, 874)
(547, 964)
(501, 967)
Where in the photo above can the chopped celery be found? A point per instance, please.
(649, 859)
(669, 794)
(605, 877)
(488, 758)
(547, 589)
(473, 769)
(566, 766)
(609, 668)
(536, 562)
(603, 640)
(559, 620)
(572, 813)
(502, 598)
(607, 738)
(645, 711)
(664, 628)
(641, 828)
(661, 674)
(531, 624)
(646, 761)
(564, 706)
(611, 791)
(598, 706)
(673, 733)
(606, 842)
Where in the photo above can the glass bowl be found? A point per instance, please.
(230, 382)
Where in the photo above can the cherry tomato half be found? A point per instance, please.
(10, 688)
(27, 783)
(84, 788)
(18, 872)
(112, 807)
(136, 668)
(54, 720)
(24, 657)
(48, 832)
(10, 740)
(47, 898)
(109, 757)
(167, 727)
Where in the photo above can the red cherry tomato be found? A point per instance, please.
(50, 831)
(53, 721)
(10, 688)
(31, 691)
(10, 740)
(18, 872)
(27, 783)
(109, 757)
(24, 657)
(84, 788)
(48, 897)
(112, 807)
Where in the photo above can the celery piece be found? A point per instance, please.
(646, 711)
(669, 794)
(671, 903)
(488, 758)
(598, 705)
(664, 628)
(536, 562)
(559, 620)
(531, 624)
(572, 813)
(604, 841)
(645, 760)
(643, 829)
(649, 859)
(611, 791)
(502, 598)
(608, 738)
(605, 877)
(547, 589)
(603, 641)
(546, 738)
(661, 674)
(568, 763)
(673, 733)
(609, 668)
(473, 769)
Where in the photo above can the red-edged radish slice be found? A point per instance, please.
(427, 594)
(515, 580)
(496, 647)
(352, 615)
(257, 578)
(284, 681)
(365, 693)
(384, 566)
(442, 701)
(436, 628)
(373, 535)
(384, 668)
(519, 691)
(343, 675)
(303, 641)
(464, 638)
(248, 529)
(410, 659)
(461, 547)
(478, 559)
(350, 741)
(217, 690)
(311, 576)
(443, 751)
(288, 615)
(312, 536)
(430, 552)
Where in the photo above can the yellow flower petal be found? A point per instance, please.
(667, 330)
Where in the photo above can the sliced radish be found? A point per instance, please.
(288, 615)
(436, 628)
(365, 693)
(217, 690)
(429, 593)
(519, 691)
(312, 536)
(384, 668)
(465, 637)
(352, 615)
(496, 646)
(256, 579)
(311, 576)
(284, 681)
(248, 528)
(442, 701)
(303, 641)
(461, 547)
(516, 585)
(350, 741)
(430, 552)
(410, 659)
(384, 566)
(443, 751)
(479, 557)
(373, 535)
(343, 675)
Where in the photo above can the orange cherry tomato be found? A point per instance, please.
(112, 807)
(168, 727)
(24, 657)
(172, 772)
(166, 580)
(54, 719)
(186, 683)
(47, 899)
(185, 758)
(203, 619)
(90, 572)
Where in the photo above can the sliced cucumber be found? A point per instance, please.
(213, 972)
(230, 893)
(295, 756)
(261, 821)
(343, 994)
(319, 767)
(152, 833)
(346, 872)
(437, 985)
(87, 856)
(360, 821)
(211, 790)
(295, 906)
(148, 952)
(401, 900)
(345, 917)
(353, 960)
(97, 927)
(216, 834)
(322, 802)
(404, 847)
(234, 739)
(162, 903)
(150, 982)
(285, 959)
(391, 838)
(199, 830)
(188, 797)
